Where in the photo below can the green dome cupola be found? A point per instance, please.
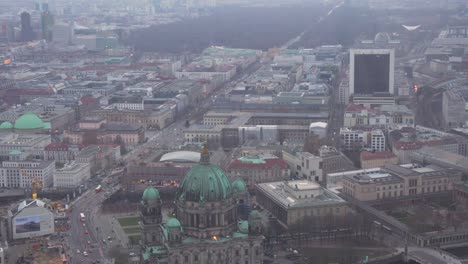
(173, 223)
(150, 194)
(205, 182)
(29, 121)
(238, 186)
(6, 125)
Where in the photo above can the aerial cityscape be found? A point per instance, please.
(234, 131)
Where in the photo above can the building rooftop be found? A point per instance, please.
(283, 193)
(366, 155)
(181, 156)
(257, 163)
(371, 176)
(440, 157)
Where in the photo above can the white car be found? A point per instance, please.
(85, 253)
(78, 251)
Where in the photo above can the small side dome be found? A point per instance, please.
(255, 215)
(238, 186)
(173, 223)
(150, 194)
(243, 227)
(6, 125)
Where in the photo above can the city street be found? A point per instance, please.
(84, 235)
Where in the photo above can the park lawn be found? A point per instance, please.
(128, 221)
(132, 230)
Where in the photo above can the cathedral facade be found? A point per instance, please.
(206, 227)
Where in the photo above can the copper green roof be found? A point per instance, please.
(173, 223)
(238, 235)
(154, 250)
(6, 125)
(254, 215)
(150, 193)
(238, 186)
(252, 160)
(205, 183)
(243, 227)
(15, 152)
(29, 121)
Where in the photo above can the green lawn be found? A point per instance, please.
(128, 221)
(132, 230)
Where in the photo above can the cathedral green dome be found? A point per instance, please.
(150, 193)
(173, 223)
(6, 125)
(238, 186)
(29, 121)
(205, 183)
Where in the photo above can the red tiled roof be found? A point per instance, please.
(354, 108)
(269, 163)
(418, 144)
(366, 155)
(88, 99)
(56, 146)
(407, 145)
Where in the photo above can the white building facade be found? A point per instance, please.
(20, 174)
(72, 175)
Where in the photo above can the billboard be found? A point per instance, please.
(28, 224)
(371, 73)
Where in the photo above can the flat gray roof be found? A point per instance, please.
(181, 156)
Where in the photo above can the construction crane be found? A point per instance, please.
(36, 184)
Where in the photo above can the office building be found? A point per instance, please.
(371, 71)
(21, 174)
(62, 33)
(291, 201)
(397, 181)
(304, 165)
(378, 142)
(27, 33)
(47, 22)
(72, 175)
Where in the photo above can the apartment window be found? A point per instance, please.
(413, 183)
